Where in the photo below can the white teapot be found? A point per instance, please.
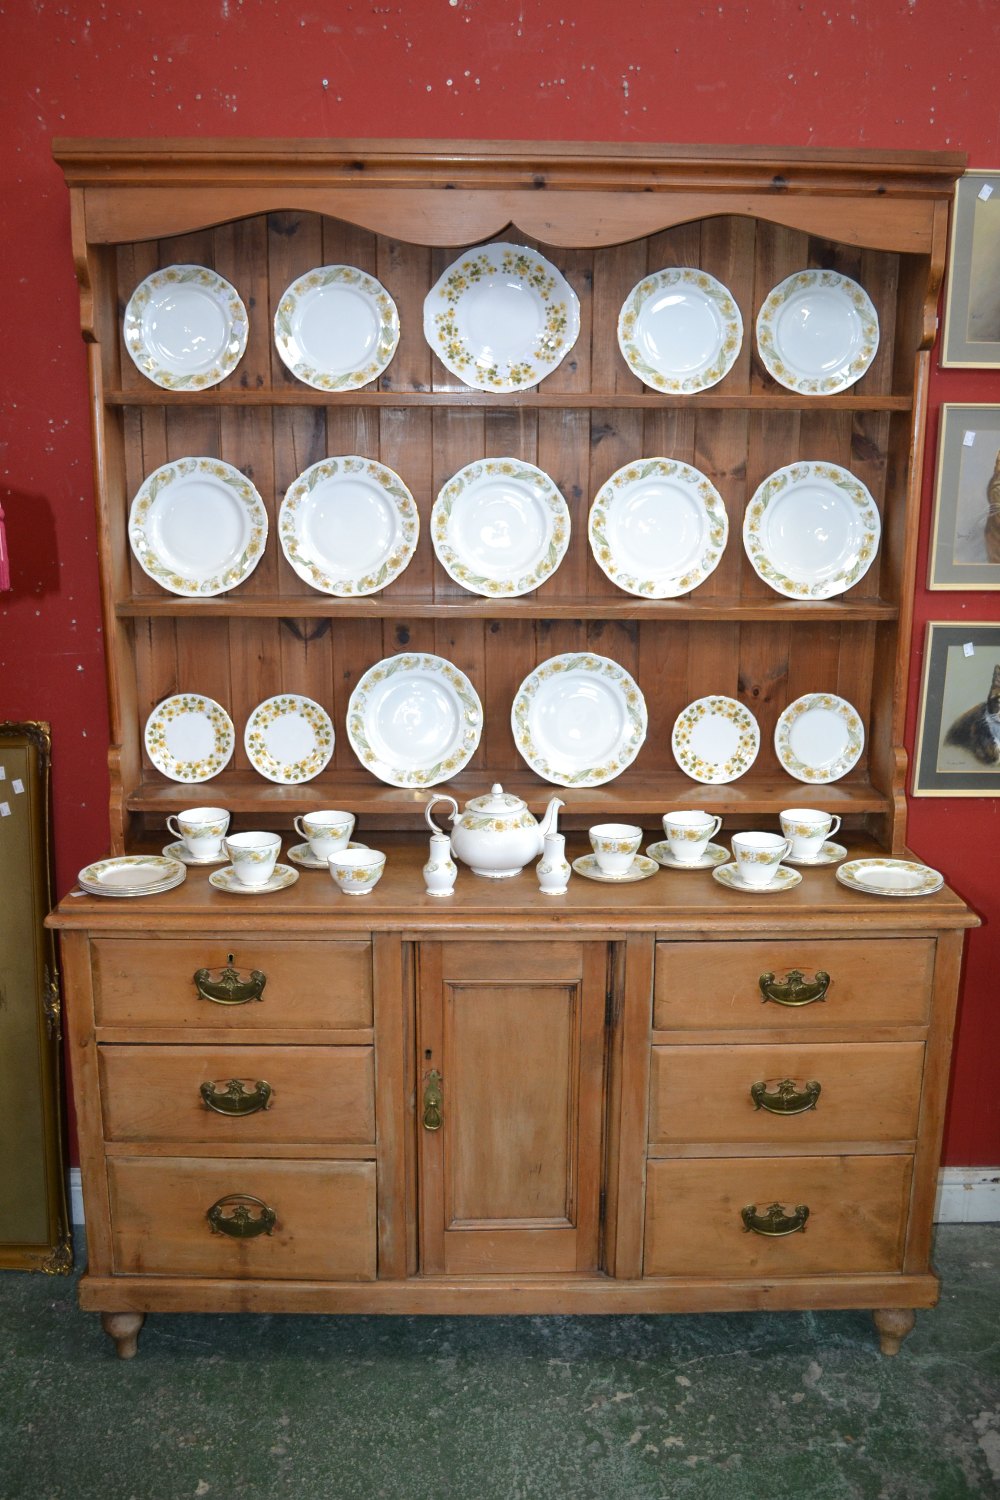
(496, 835)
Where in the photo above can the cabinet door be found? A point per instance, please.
(509, 1106)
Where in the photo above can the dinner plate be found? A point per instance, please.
(288, 738)
(819, 737)
(132, 875)
(781, 880)
(281, 877)
(579, 719)
(658, 528)
(197, 526)
(640, 869)
(181, 851)
(348, 525)
(500, 527)
(336, 328)
(715, 740)
(189, 737)
(811, 530)
(680, 330)
(817, 332)
(830, 854)
(501, 317)
(714, 855)
(890, 877)
(414, 720)
(185, 328)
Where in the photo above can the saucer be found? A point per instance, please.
(714, 855)
(783, 880)
(180, 851)
(830, 854)
(302, 855)
(227, 880)
(641, 869)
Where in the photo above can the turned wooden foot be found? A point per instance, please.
(893, 1324)
(124, 1329)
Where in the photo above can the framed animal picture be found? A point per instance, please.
(972, 300)
(965, 536)
(958, 734)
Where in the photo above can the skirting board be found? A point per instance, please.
(965, 1195)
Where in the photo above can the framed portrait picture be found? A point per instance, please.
(965, 537)
(958, 736)
(972, 300)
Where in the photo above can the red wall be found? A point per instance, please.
(903, 74)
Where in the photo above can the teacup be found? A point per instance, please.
(325, 832)
(758, 856)
(253, 856)
(615, 845)
(808, 830)
(688, 834)
(357, 871)
(201, 830)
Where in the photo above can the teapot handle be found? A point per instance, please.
(443, 797)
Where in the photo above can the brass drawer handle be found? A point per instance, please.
(228, 986)
(795, 989)
(775, 1222)
(241, 1224)
(237, 1100)
(787, 1098)
(433, 1101)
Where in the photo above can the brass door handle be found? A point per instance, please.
(794, 989)
(228, 986)
(777, 1221)
(433, 1101)
(241, 1224)
(236, 1099)
(787, 1098)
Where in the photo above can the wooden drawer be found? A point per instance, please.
(701, 1095)
(324, 1218)
(876, 982)
(857, 1216)
(309, 985)
(319, 1095)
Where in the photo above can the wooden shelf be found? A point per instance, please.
(537, 400)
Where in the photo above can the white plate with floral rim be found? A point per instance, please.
(890, 877)
(817, 332)
(336, 328)
(781, 880)
(197, 526)
(500, 527)
(189, 737)
(182, 852)
(658, 528)
(281, 877)
(501, 317)
(714, 855)
(680, 330)
(302, 855)
(579, 719)
(289, 739)
(819, 737)
(348, 525)
(640, 869)
(185, 327)
(811, 530)
(829, 854)
(715, 740)
(414, 720)
(132, 875)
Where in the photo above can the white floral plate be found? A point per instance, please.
(132, 875)
(817, 332)
(890, 877)
(414, 720)
(579, 719)
(302, 855)
(289, 739)
(336, 328)
(185, 328)
(500, 527)
(197, 526)
(811, 530)
(714, 855)
(501, 317)
(830, 854)
(680, 330)
(819, 737)
(348, 525)
(658, 528)
(781, 880)
(715, 740)
(189, 737)
(281, 877)
(182, 852)
(640, 869)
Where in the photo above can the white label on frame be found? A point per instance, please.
(969, 649)
(18, 786)
(4, 809)
(3, 773)
(985, 191)
(968, 439)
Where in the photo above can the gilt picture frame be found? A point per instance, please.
(965, 533)
(972, 300)
(957, 750)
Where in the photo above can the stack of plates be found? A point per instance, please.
(132, 875)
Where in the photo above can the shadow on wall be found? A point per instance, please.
(31, 544)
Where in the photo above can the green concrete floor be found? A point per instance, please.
(717, 1407)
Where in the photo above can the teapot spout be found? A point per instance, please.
(548, 823)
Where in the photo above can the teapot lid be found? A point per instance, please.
(497, 802)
